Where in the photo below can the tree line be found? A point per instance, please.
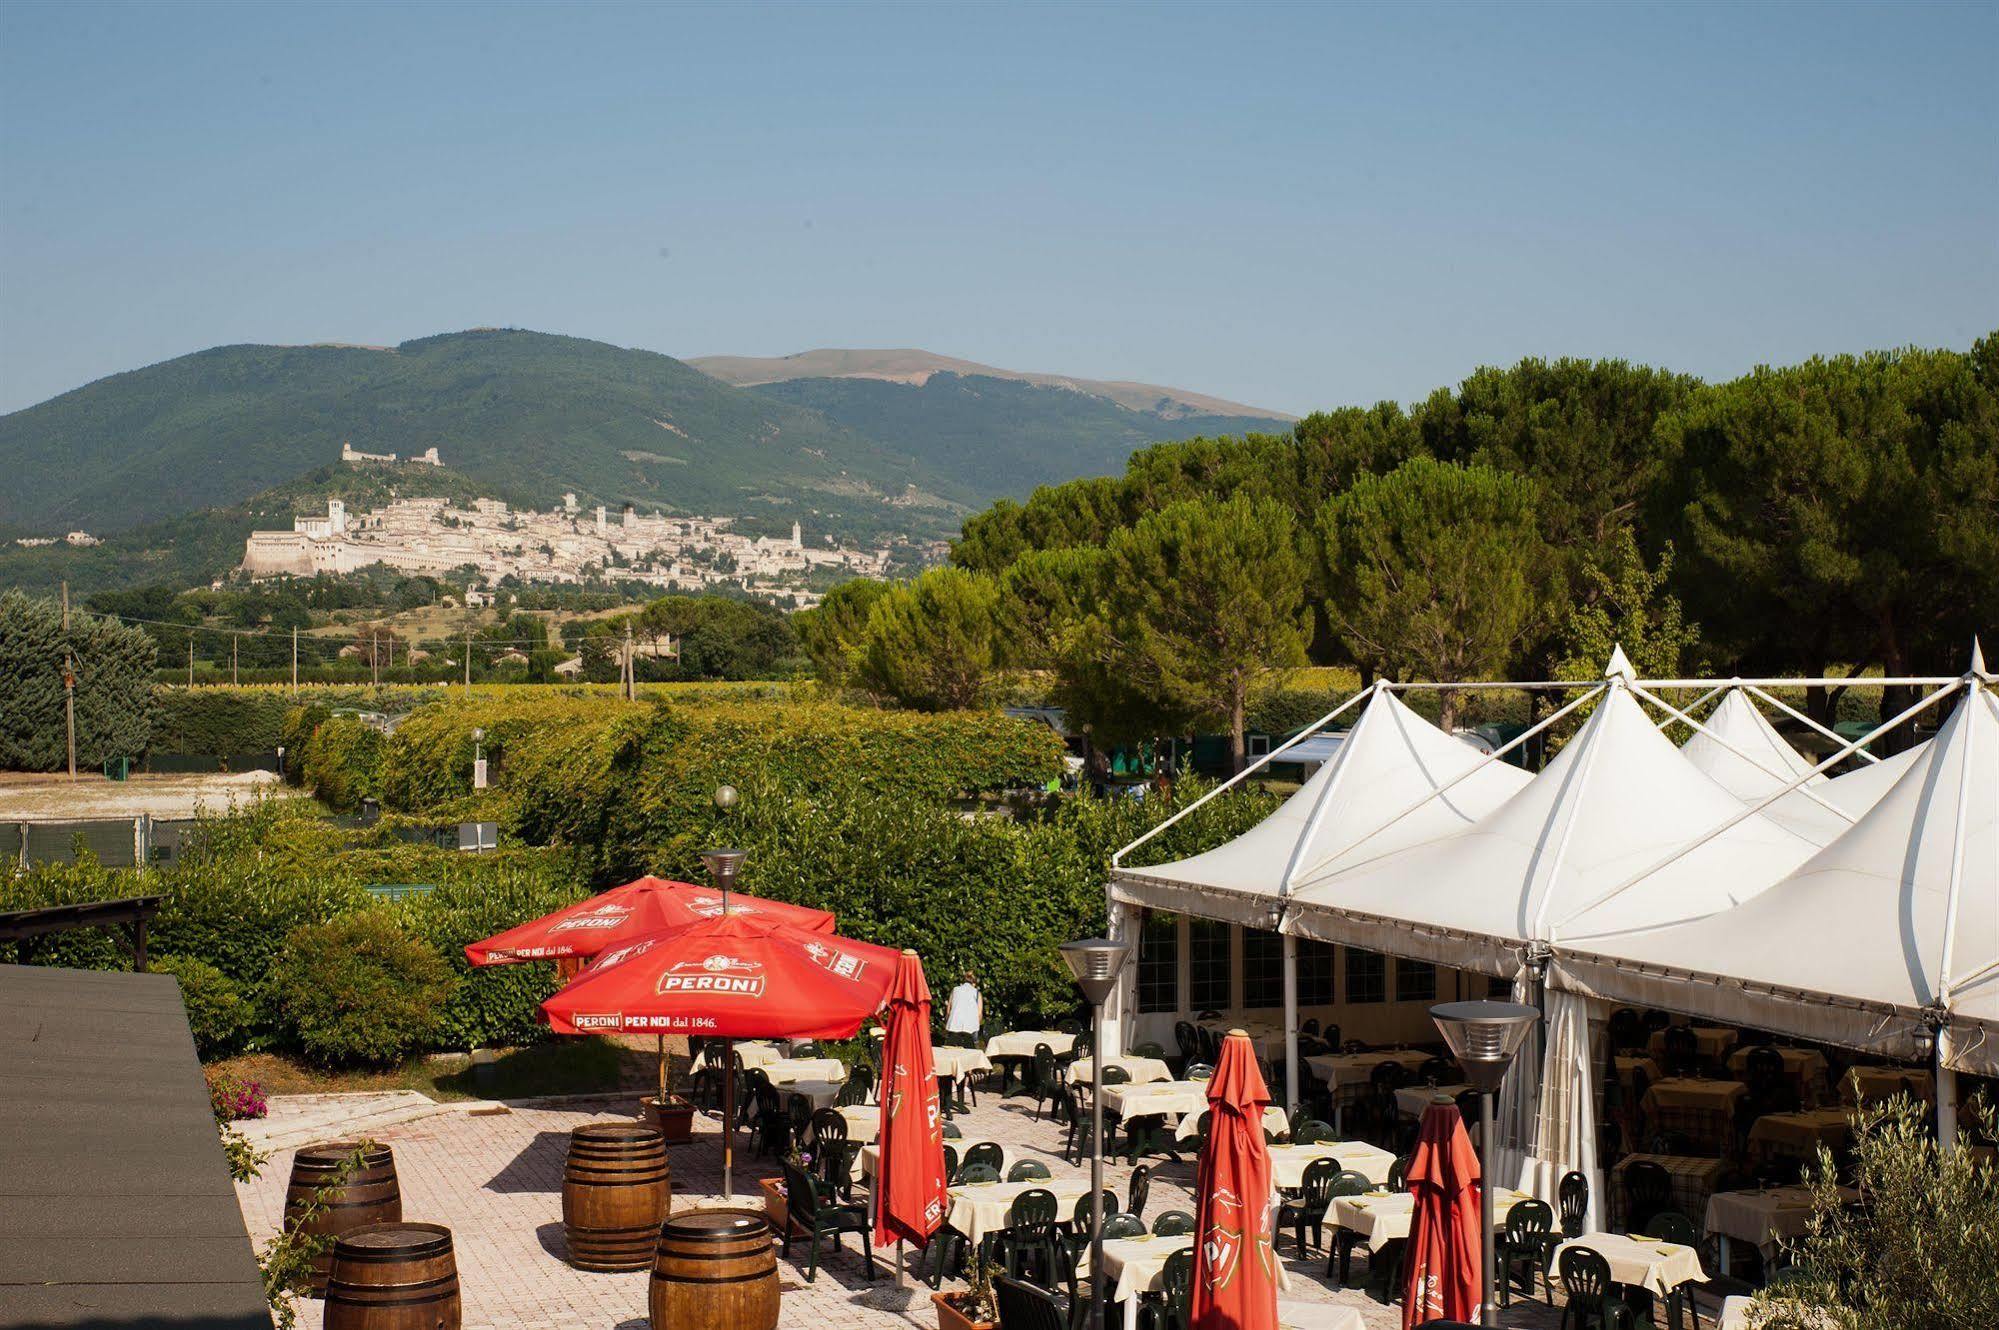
(1830, 517)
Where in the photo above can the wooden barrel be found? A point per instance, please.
(369, 1194)
(615, 1189)
(393, 1277)
(716, 1270)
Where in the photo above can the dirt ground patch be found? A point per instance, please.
(26, 796)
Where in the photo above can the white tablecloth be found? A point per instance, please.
(754, 1053)
(1021, 1043)
(1143, 1071)
(1413, 1101)
(1318, 1316)
(1134, 1266)
(870, 1152)
(1337, 1069)
(1760, 1217)
(783, 1071)
(984, 1208)
(1380, 1217)
(1288, 1162)
(1658, 1267)
(1274, 1122)
(956, 1062)
(1171, 1098)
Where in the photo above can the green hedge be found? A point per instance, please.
(246, 883)
(218, 720)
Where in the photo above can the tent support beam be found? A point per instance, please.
(1290, 1026)
(1673, 713)
(1117, 860)
(1798, 715)
(1946, 1103)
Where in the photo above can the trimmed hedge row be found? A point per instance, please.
(249, 883)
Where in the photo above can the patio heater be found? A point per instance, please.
(722, 866)
(1095, 963)
(1485, 1037)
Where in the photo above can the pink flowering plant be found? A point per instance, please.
(234, 1098)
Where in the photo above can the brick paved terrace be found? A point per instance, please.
(493, 1174)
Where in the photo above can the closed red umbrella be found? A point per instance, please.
(1444, 1237)
(625, 914)
(1235, 1265)
(909, 1164)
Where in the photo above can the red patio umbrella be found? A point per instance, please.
(624, 914)
(1235, 1265)
(1444, 1238)
(909, 1168)
(732, 977)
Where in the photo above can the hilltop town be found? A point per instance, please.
(566, 544)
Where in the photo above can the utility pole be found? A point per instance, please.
(468, 654)
(190, 658)
(294, 659)
(68, 682)
(375, 655)
(628, 675)
(234, 638)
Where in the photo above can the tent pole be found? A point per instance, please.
(1290, 1027)
(1946, 1103)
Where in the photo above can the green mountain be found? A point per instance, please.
(520, 412)
(1000, 431)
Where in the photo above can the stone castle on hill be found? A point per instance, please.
(428, 536)
(428, 457)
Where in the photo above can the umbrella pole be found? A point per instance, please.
(729, 1120)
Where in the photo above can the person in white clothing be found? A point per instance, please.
(965, 1013)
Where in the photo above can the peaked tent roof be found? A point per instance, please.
(1382, 778)
(1601, 836)
(1741, 751)
(1851, 946)
(1858, 791)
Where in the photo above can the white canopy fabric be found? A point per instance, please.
(1900, 913)
(1741, 751)
(1389, 764)
(1598, 841)
(1858, 791)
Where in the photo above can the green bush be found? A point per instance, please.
(217, 1013)
(114, 688)
(499, 1007)
(359, 990)
(341, 762)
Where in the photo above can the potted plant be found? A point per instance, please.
(666, 1112)
(973, 1308)
(776, 1207)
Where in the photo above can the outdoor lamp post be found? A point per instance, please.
(1095, 963)
(1484, 1037)
(722, 866)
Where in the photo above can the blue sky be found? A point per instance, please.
(1293, 206)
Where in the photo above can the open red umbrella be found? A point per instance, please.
(732, 977)
(624, 914)
(1444, 1238)
(1235, 1264)
(909, 1168)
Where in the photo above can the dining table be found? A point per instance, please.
(1871, 1085)
(1139, 1070)
(952, 1064)
(1760, 1217)
(1640, 1262)
(1710, 1041)
(1799, 1135)
(1803, 1067)
(1691, 1178)
(1134, 1267)
(981, 1208)
(1289, 1162)
(1412, 1101)
(1379, 1217)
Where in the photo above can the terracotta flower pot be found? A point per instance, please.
(950, 1318)
(673, 1120)
(775, 1208)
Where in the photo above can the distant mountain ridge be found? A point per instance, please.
(915, 367)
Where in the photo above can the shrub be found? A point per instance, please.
(217, 1013)
(341, 761)
(359, 990)
(234, 1098)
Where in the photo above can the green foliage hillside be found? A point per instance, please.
(1000, 436)
(517, 412)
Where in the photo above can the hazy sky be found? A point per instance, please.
(1292, 206)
